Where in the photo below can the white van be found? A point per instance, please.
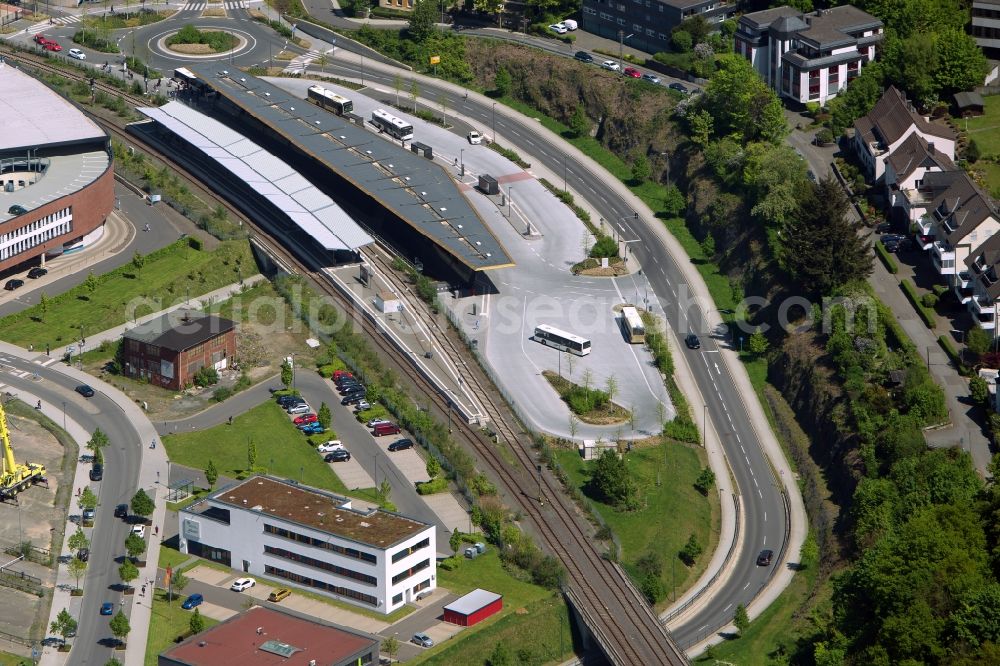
(570, 24)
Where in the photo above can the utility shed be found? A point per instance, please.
(386, 301)
(473, 608)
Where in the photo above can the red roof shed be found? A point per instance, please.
(474, 607)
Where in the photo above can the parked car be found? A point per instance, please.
(362, 406)
(350, 387)
(583, 56)
(883, 228)
(11, 285)
(85, 391)
(37, 272)
(632, 73)
(88, 515)
(97, 472)
(121, 511)
(139, 530)
(340, 455)
(374, 422)
(569, 23)
(241, 584)
(559, 28)
(192, 601)
(387, 428)
(299, 408)
(692, 341)
(352, 399)
(652, 78)
(51, 46)
(41, 39)
(611, 65)
(332, 445)
(279, 594)
(312, 429)
(422, 639)
(77, 53)
(401, 444)
(764, 559)
(474, 137)
(107, 608)
(291, 401)
(679, 87)
(305, 418)
(83, 554)
(337, 374)
(17, 209)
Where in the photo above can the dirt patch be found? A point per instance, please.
(192, 49)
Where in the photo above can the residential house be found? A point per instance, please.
(646, 24)
(879, 133)
(905, 171)
(984, 300)
(808, 57)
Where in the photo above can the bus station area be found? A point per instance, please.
(543, 239)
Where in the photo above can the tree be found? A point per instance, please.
(141, 504)
(120, 626)
(135, 545)
(97, 440)
(98, 457)
(251, 455)
(501, 655)
(77, 567)
(502, 82)
(414, 93)
(611, 386)
(323, 416)
(138, 261)
(758, 343)
(43, 305)
(979, 390)
(972, 152)
(443, 103)
(691, 551)
(681, 40)
(433, 467)
(742, 104)
(579, 124)
(90, 284)
(87, 499)
(612, 480)
(741, 619)
(421, 25)
(287, 374)
(178, 581)
(128, 572)
(705, 480)
(64, 624)
(78, 540)
(821, 249)
(197, 622)
(391, 647)
(978, 341)
(640, 170)
(858, 99)
(211, 474)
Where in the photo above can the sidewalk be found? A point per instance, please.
(153, 466)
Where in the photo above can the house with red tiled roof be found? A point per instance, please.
(891, 121)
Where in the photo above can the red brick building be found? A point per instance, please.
(169, 350)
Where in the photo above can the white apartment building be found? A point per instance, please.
(808, 57)
(311, 538)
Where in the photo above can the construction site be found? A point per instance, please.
(34, 499)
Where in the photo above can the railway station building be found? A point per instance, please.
(310, 538)
(406, 200)
(56, 175)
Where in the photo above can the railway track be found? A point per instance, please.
(624, 625)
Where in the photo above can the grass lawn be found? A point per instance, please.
(171, 558)
(532, 617)
(165, 279)
(166, 623)
(673, 510)
(8, 659)
(196, 495)
(985, 129)
(281, 449)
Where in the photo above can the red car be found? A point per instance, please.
(305, 418)
(51, 46)
(41, 39)
(338, 374)
(632, 73)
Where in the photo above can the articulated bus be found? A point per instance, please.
(561, 340)
(635, 330)
(329, 100)
(390, 124)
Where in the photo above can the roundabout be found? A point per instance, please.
(159, 45)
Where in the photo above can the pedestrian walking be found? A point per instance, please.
(156, 530)
(230, 420)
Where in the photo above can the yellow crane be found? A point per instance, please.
(14, 478)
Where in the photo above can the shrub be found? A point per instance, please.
(451, 563)
(207, 376)
(887, 259)
(437, 485)
(929, 300)
(911, 294)
(691, 551)
(222, 393)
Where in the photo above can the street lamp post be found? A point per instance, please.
(621, 50)
(64, 414)
(494, 122)
(704, 425)
(510, 188)
(461, 152)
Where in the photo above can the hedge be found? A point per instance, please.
(438, 485)
(887, 259)
(911, 293)
(952, 353)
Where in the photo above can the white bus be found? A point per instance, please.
(327, 99)
(561, 340)
(390, 124)
(635, 330)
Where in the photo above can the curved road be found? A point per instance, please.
(122, 458)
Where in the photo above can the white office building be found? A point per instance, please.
(311, 538)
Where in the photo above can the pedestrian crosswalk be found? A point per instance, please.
(299, 64)
(49, 25)
(228, 4)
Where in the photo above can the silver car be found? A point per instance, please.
(77, 53)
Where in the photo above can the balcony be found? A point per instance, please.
(925, 225)
(963, 294)
(924, 241)
(944, 258)
(964, 280)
